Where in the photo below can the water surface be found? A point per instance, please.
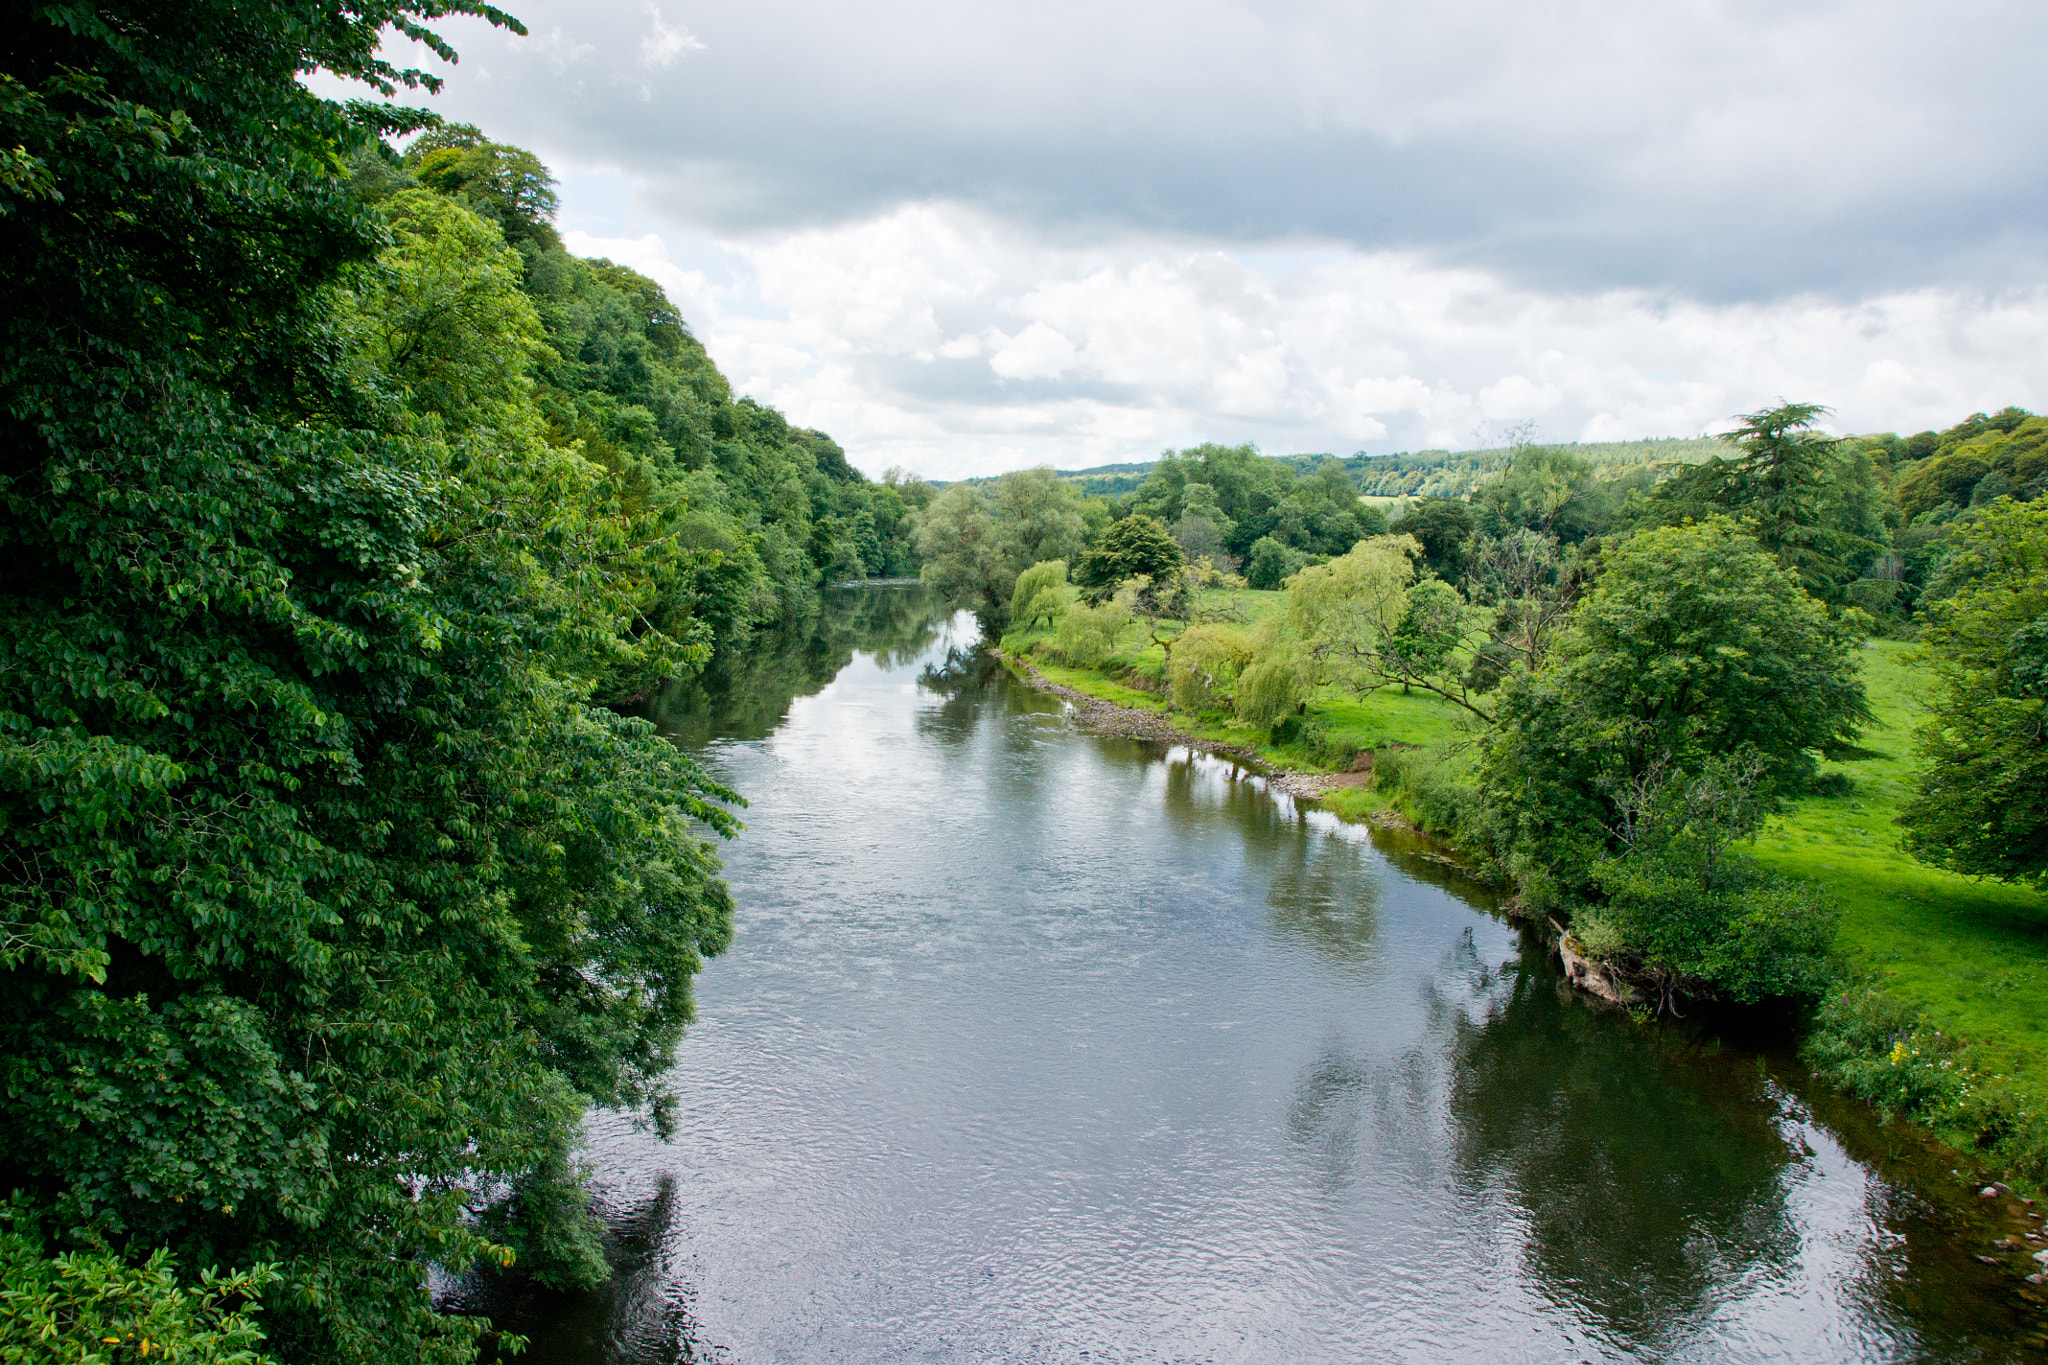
(1038, 1046)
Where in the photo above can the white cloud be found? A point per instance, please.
(972, 234)
(666, 42)
(939, 337)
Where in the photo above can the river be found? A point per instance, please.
(1034, 1045)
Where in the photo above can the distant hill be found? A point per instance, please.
(1428, 473)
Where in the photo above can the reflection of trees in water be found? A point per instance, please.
(744, 693)
(963, 679)
(1352, 1106)
(643, 1316)
(1321, 892)
(1649, 1172)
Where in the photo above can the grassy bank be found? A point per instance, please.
(1969, 957)
(1944, 1015)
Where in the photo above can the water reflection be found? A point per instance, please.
(1041, 1046)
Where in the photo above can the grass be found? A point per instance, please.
(1971, 955)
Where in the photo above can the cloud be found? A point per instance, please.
(1737, 151)
(971, 234)
(948, 339)
(665, 42)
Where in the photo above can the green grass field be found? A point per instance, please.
(1972, 954)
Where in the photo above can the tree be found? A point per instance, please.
(1684, 915)
(1692, 645)
(1134, 547)
(1364, 623)
(1811, 504)
(507, 185)
(1270, 564)
(1041, 594)
(1038, 517)
(1545, 490)
(963, 559)
(331, 898)
(1441, 527)
(1981, 802)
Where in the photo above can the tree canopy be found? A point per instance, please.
(1982, 802)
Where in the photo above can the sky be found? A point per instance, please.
(986, 234)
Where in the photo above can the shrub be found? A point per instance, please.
(1207, 660)
(1269, 563)
(1088, 635)
(90, 1307)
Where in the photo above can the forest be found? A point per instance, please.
(351, 518)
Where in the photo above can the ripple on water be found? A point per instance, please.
(1039, 1046)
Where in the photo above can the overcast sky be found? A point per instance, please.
(972, 236)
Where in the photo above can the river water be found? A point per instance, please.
(1040, 1046)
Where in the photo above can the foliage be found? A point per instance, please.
(1269, 564)
(1547, 490)
(1441, 528)
(93, 1308)
(1692, 645)
(1041, 594)
(1238, 497)
(330, 897)
(1138, 546)
(1806, 498)
(1205, 663)
(2013, 446)
(1088, 634)
(1685, 915)
(1982, 801)
(1363, 627)
(974, 543)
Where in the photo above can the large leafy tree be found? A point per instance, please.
(327, 900)
(1692, 645)
(1982, 803)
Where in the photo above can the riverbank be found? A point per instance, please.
(1939, 1017)
(1106, 707)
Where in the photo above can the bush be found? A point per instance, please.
(1269, 563)
(1207, 660)
(1088, 635)
(92, 1308)
(1434, 791)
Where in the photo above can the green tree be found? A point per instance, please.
(1364, 623)
(1812, 504)
(1692, 645)
(963, 557)
(331, 899)
(1981, 804)
(1038, 518)
(1041, 594)
(507, 185)
(1270, 564)
(1442, 527)
(1134, 547)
